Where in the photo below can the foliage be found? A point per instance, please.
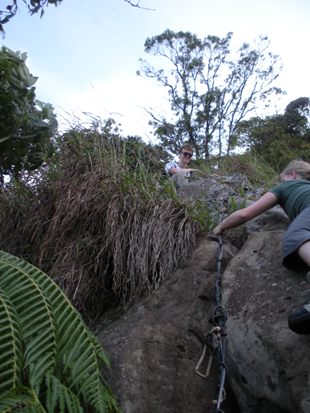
(39, 6)
(26, 125)
(297, 118)
(49, 360)
(138, 153)
(210, 88)
(98, 221)
(279, 138)
(258, 171)
(34, 6)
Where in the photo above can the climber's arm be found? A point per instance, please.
(241, 216)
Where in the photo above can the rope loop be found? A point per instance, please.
(214, 340)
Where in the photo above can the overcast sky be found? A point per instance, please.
(86, 52)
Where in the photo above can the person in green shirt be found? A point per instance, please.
(293, 195)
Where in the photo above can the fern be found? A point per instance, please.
(60, 397)
(10, 346)
(62, 358)
(21, 400)
(35, 317)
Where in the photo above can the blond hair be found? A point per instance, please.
(186, 146)
(301, 168)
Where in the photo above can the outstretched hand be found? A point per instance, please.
(217, 230)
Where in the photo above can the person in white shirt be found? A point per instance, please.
(179, 171)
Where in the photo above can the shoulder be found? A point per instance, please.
(286, 188)
(283, 186)
(294, 183)
(278, 188)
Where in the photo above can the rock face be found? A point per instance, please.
(154, 352)
(152, 349)
(269, 366)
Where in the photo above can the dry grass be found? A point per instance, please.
(103, 232)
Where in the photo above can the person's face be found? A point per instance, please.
(186, 156)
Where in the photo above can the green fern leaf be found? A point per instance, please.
(19, 400)
(60, 398)
(99, 351)
(81, 364)
(34, 314)
(77, 355)
(102, 398)
(11, 358)
(78, 351)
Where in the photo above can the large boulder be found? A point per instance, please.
(269, 366)
(153, 349)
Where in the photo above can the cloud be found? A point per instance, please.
(123, 98)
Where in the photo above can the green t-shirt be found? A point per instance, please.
(293, 196)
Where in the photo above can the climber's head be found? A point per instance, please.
(296, 170)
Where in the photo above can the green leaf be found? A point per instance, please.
(20, 399)
(34, 313)
(11, 357)
(57, 340)
(60, 398)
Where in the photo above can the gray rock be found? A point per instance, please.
(268, 364)
(154, 351)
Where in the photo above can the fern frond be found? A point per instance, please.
(60, 398)
(20, 399)
(31, 409)
(11, 357)
(80, 363)
(102, 398)
(99, 351)
(34, 314)
(78, 351)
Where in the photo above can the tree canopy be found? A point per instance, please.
(26, 124)
(210, 87)
(279, 138)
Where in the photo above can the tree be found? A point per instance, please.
(34, 6)
(38, 6)
(297, 117)
(26, 124)
(210, 92)
(279, 138)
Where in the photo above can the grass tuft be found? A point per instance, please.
(98, 221)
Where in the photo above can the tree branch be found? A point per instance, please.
(137, 4)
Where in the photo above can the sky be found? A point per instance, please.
(85, 53)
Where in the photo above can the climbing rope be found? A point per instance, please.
(214, 341)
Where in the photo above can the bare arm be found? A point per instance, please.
(175, 170)
(241, 216)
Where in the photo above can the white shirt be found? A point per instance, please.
(171, 165)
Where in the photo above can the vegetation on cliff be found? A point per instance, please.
(99, 220)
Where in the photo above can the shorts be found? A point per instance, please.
(297, 234)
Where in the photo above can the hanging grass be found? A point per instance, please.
(98, 222)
